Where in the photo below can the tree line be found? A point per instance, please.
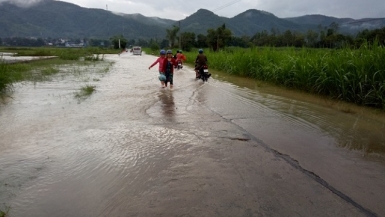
(216, 39)
(324, 37)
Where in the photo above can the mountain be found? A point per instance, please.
(61, 19)
(252, 21)
(346, 25)
(246, 23)
(202, 20)
(165, 23)
(56, 19)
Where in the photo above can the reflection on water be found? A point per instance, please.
(168, 106)
(353, 127)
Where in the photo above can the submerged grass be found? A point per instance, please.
(32, 71)
(352, 75)
(4, 213)
(85, 91)
(42, 69)
(89, 53)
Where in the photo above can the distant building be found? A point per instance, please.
(70, 44)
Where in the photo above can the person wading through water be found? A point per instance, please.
(168, 68)
(162, 76)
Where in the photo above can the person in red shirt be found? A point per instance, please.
(162, 76)
(168, 68)
(180, 57)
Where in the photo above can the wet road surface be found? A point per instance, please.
(213, 149)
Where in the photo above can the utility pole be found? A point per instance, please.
(180, 37)
(217, 42)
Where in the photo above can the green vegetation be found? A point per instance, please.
(4, 214)
(352, 75)
(85, 91)
(5, 78)
(172, 34)
(40, 70)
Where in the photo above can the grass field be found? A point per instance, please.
(351, 75)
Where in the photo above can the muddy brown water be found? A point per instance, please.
(229, 147)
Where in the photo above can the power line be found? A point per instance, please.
(226, 5)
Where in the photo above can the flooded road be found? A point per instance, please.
(213, 149)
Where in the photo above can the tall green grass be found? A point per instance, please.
(352, 75)
(5, 78)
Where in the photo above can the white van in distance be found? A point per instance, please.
(136, 50)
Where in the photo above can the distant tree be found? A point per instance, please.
(24, 42)
(260, 38)
(201, 41)
(212, 39)
(98, 43)
(243, 41)
(372, 35)
(288, 38)
(274, 31)
(311, 37)
(334, 27)
(187, 40)
(131, 42)
(164, 43)
(321, 30)
(298, 39)
(217, 39)
(363, 34)
(154, 45)
(39, 42)
(172, 35)
(115, 41)
(143, 43)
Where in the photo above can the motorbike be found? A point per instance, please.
(179, 66)
(204, 73)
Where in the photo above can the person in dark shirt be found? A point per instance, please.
(200, 61)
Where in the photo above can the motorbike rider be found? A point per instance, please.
(175, 56)
(162, 76)
(200, 61)
(168, 68)
(180, 57)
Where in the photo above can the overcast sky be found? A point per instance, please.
(180, 9)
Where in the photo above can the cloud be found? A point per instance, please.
(180, 9)
(341, 8)
(21, 3)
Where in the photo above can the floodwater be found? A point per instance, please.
(229, 147)
(11, 58)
